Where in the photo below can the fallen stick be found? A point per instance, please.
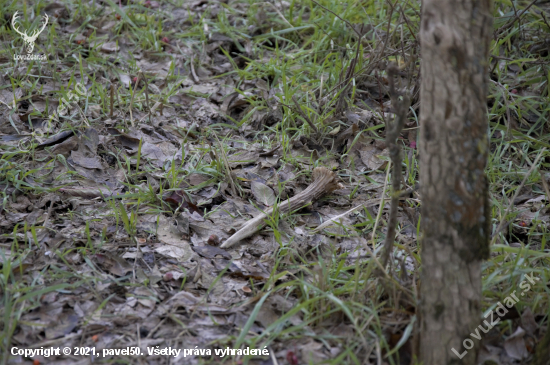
(367, 204)
(392, 134)
(324, 181)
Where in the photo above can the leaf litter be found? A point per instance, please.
(199, 117)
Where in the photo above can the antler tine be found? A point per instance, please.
(13, 25)
(37, 32)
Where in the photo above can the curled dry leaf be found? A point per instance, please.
(263, 193)
(110, 47)
(114, 264)
(178, 199)
(515, 345)
(55, 139)
(370, 155)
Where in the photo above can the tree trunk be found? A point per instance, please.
(455, 37)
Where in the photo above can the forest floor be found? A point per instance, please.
(184, 120)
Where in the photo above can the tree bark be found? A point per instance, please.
(455, 38)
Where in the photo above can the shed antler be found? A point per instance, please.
(324, 182)
(29, 40)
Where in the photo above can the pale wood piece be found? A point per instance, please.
(324, 182)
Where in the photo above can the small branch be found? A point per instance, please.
(351, 69)
(146, 96)
(339, 17)
(401, 110)
(516, 18)
(544, 18)
(132, 98)
(112, 99)
(277, 11)
(498, 230)
(367, 204)
(193, 73)
(225, 162)
(545, 185)
(379, 214)
(151, 111)
(324, 182)
(303, 115)
(349, 76)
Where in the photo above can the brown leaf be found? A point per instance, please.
(131, 144)
(114, 264)
(183, 299)
(256, 275)
(210, 252)
(174, 199)
(110, 47)
(196, 179)
(56, 139)
(87, 162)
(66, 147)
(178, 199)
(515, 345)
(312, 352)
(63, 326)
(370, 156)
(528, 321)
(263, 193)
(172, 243)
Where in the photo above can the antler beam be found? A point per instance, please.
(324, 181)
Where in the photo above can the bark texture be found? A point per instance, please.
(455, 37)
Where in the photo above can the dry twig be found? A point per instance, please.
(517, 17)
(351, 69)
(511, 204)
(324, 181)
(368, 203)
(232, 183)
(147, 95)
(545, 186)
(304, 115)
(401, 109)
(132, 98)
(112, 99)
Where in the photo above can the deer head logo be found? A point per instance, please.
(29, 39)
